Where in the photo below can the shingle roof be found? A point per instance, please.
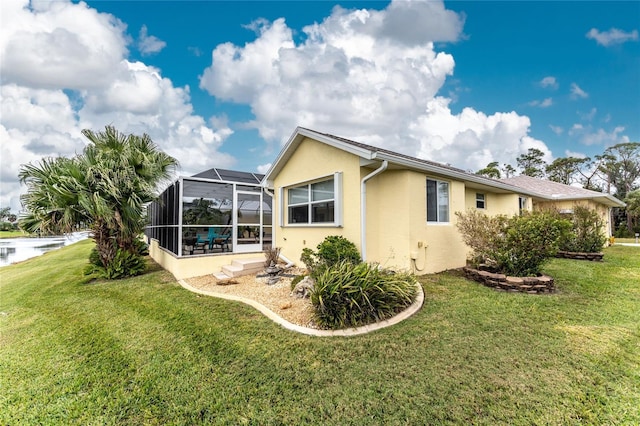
(558, 191)
(445, 167)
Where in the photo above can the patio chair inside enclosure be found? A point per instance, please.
(219, 239)
(204, 242)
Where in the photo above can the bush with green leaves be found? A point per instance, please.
(517, 246)
(126, 263)
(348, 294)
(332, 250)
(483, 233)
(587, 232)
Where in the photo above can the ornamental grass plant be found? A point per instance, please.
(350, 295)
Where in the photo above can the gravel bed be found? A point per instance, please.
(277, 297)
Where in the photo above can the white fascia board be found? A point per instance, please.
(296, 138)
(355, 150)
(280, 160)
(606, 199)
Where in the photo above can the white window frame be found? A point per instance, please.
(337, 202)
(438, 205)
(522, 204)
(481, 198)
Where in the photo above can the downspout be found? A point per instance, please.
(363, 207)
(289, 263)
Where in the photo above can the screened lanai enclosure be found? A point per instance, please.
(216, 211)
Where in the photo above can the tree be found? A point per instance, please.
(105, 189)
(565, 169)
(508, 170)
(633, 207)
(532, 163)
(590, 174)
(6, 219)
(5, 214)
(491, 171)
(621, 166)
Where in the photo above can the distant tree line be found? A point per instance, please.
(616, 171)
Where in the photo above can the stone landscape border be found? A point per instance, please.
(412, 309)
(531, 285)
(595, 257)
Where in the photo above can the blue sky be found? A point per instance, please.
(459, 82)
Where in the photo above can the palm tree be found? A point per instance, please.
(105, 188)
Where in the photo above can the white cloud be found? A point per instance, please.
(549, 82)
(556, 129)
(545, 103)
(357, 74)
(588, 116)
(574, 154)
(611, 37)
(148, 45)
(59, 45)
(587, 135)
(64, 68)
(264, 168)
(577, 92)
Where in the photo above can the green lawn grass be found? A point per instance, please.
(625, 240)
(146, 351)
(13, 234)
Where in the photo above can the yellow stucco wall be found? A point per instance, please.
(313, 160)
(389, 204)
(506, 204)
(398, 229)
(602, 210)
(194, 266)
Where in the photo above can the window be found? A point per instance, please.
(437, 201)
(312, 203)
(480, 201)
(522, 201)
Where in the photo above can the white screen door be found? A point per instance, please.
(248, 231)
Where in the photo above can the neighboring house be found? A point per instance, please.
(399, 210)
(564, 197)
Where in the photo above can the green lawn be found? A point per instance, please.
(13, 234)
(146, 351)
(625, 240)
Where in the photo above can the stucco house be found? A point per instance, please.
(399, 210)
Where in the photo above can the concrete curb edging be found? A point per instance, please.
(412, 309)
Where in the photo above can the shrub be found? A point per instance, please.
(332, 250)
(125, 263)
(335, 249)
(530, 240)
(587, 233)
(484, 234)
(347, 294)
(516, 246)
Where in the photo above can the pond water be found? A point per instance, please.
(18, 249)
